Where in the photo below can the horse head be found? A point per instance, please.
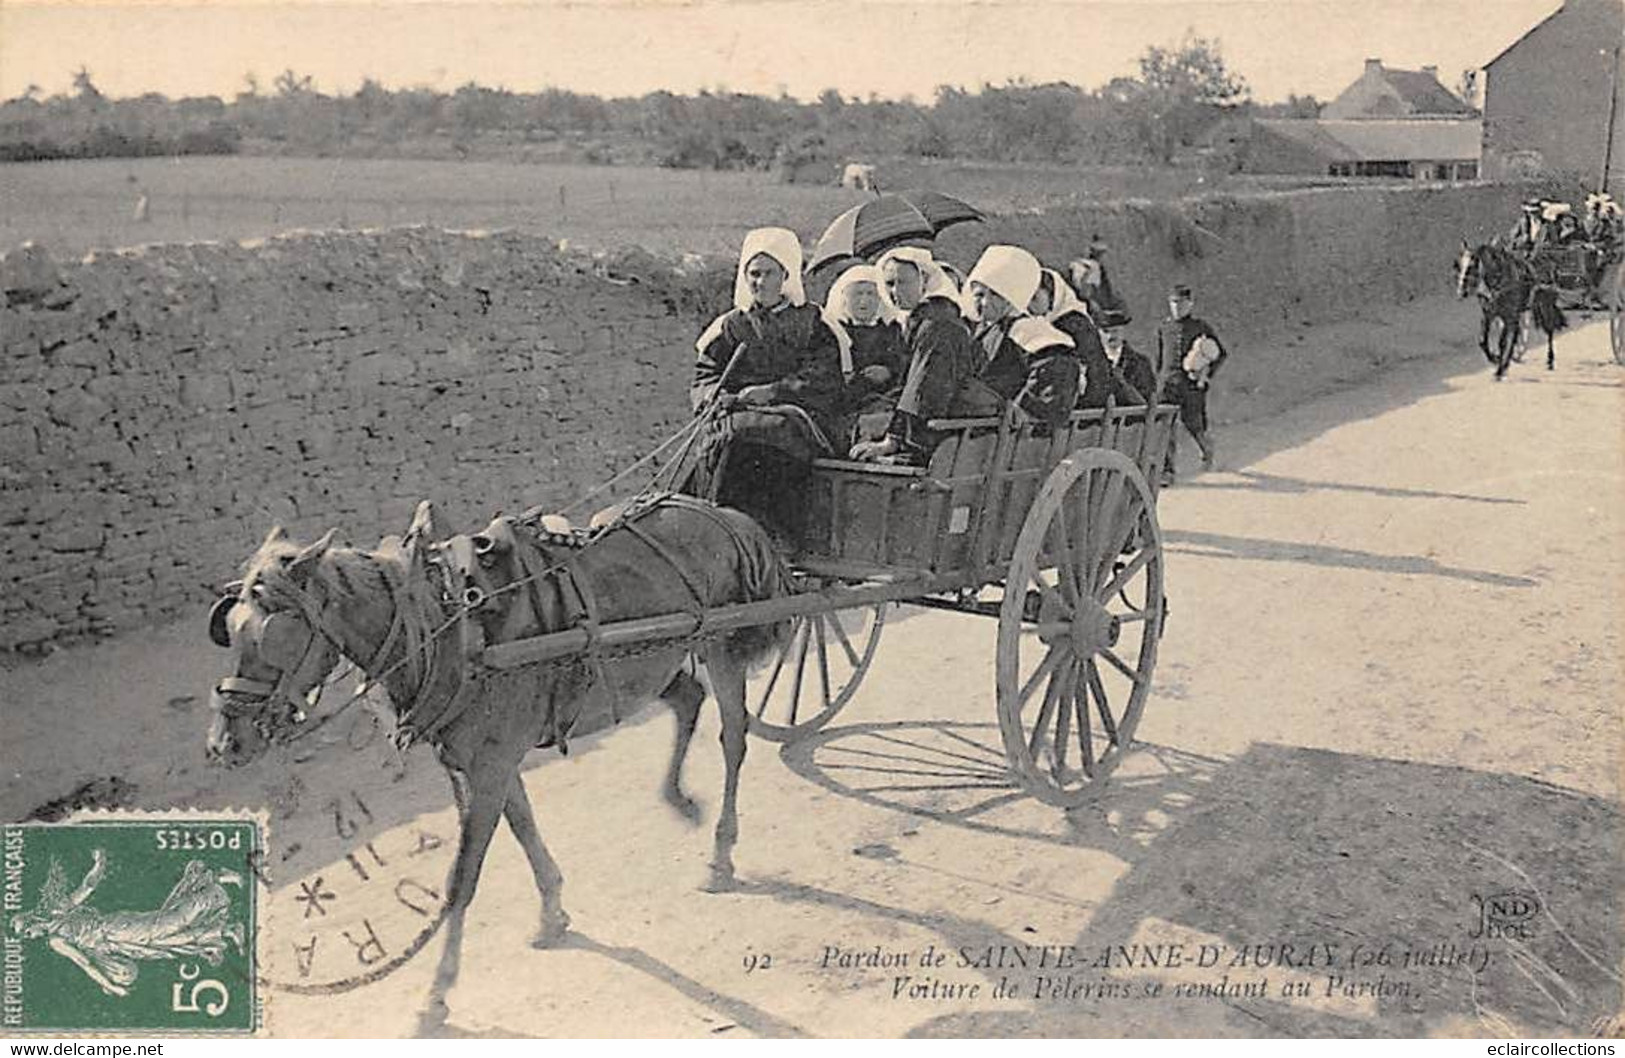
(289, 621)
(1466, 269)
(1485, 268)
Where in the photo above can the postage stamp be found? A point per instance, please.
(129, 925)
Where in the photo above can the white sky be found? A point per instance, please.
(613, 47)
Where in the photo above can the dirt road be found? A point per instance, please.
(1379, 793)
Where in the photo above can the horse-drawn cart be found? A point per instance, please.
(488, 645)
(1060, 523)
(1589, 279)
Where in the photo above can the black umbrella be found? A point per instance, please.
(942, 211)
(863, 230)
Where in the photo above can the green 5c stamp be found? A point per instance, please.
(130, 925)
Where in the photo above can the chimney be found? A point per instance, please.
(1373, 66)
(1431, 71)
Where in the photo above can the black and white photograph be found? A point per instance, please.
(779, 519)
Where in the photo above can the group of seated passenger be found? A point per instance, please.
(898, 343)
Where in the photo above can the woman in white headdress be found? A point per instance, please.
(1058, 303)
(942, 360)
(870, 331)
(1028, 361)
(770, 370)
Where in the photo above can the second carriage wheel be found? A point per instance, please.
(815, 672)
(1078, 630)
(1616, 313)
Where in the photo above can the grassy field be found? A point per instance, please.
(77, 205)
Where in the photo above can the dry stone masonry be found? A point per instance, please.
(162, 408)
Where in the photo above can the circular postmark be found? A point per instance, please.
(354, 876)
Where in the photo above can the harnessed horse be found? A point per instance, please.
(1507, 287)
(411, 615)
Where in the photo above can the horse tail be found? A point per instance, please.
(1548, 314)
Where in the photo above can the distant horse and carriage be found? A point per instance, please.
(1537, 283)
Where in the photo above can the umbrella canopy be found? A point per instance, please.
(941, 210)
(876, 225)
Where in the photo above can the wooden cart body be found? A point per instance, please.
(1061, 519)
(958, 518)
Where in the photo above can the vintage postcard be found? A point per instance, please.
(1092, 518)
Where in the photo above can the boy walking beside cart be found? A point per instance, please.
(1189, 355)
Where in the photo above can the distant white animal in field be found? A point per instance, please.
(859, 177)
(141, 208)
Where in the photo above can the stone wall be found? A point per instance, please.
(1267, 263)
(163, 407)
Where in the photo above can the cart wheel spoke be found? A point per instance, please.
(801, 668)
(1104, 513)
(843, 640)
(1052, 694)
(1086, 740)
(779, 712)
(823, 659)
(1121, 666)
(1102, 703)
(1063, 723)
(1045, 667)
(1066, 560)
(1126, 574)
(1117, 538)
(778, 667)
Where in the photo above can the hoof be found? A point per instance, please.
(683, 805)
(432, 1020)
(552, 933)
(720, 881)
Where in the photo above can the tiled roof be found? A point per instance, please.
(1425, 94)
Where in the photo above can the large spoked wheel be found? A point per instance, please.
(1083, 611)
(815, 674)
(1616, 314)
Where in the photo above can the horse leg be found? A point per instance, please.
(728, 685)
(549, 879)
(481, 801)
(685, 695)
(1484, 333)
(1509, 341)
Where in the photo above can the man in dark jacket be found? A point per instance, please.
(1115, 368)
(1190, 355)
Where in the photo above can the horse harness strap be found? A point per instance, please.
(461, 588)
(665, 555)
(417, 719)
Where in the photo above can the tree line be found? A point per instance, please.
(1180, 92)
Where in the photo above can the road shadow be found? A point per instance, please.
(953, 772)
(1259, 549)
(1283, 484)
(325, 795)
(1266, 415)
(738, 1011)
(1287, 845)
